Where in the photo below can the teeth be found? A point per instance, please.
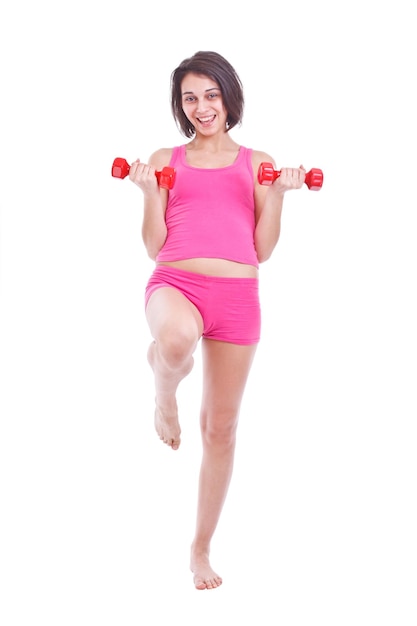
(206, 119)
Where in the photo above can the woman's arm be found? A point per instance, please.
(155, 199)
(269, 201)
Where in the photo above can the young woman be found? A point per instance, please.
(207, 235)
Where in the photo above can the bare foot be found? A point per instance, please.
(166, 411)
(204, 576)
(168, 428)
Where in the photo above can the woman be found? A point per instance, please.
(208, 235)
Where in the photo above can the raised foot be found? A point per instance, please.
(204, 576)
(168, 428)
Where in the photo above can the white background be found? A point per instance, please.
(96, 514)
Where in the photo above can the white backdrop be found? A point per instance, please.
(97, 515)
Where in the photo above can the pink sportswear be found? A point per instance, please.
(211, 212)
(229, 307)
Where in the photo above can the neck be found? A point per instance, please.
(217, 143)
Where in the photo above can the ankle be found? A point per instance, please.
(200, 549)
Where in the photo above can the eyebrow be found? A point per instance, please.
(211, 89)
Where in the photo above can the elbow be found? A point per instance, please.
(265, 255)
(264, 252)
(153, 245)
(151, 254)
(152, 251)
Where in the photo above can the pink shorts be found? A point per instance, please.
(229, 307)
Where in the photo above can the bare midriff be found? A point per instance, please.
(215, 267)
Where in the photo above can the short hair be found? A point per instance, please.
(217, 68)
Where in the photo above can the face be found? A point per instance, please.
(202, 103)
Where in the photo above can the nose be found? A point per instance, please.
(201, 105)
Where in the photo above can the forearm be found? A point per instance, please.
(154, 230)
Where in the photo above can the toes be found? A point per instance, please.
(169, 441)
(173, 443)
(209, 583)
(200, 585)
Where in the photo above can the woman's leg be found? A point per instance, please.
(176, 326)
(226, 369)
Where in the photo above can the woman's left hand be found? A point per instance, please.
(290, 178)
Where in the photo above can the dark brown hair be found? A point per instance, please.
(216, 67)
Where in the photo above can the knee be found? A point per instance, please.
(219, 431)
(175, 347)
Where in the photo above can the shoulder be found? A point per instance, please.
(258, 157)
(160, 158)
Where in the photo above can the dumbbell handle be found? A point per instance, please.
(166, 177)
(267, 175)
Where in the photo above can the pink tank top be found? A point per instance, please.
(211, 212)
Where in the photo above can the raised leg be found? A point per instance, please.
(176, 326)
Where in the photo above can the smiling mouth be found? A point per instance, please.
(205, 121)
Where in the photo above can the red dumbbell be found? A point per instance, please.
(166, 177)
(267, 175)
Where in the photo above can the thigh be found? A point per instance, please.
(232, 311)
(226, 367)
(168, 311)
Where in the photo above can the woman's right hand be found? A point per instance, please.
(143, 176)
